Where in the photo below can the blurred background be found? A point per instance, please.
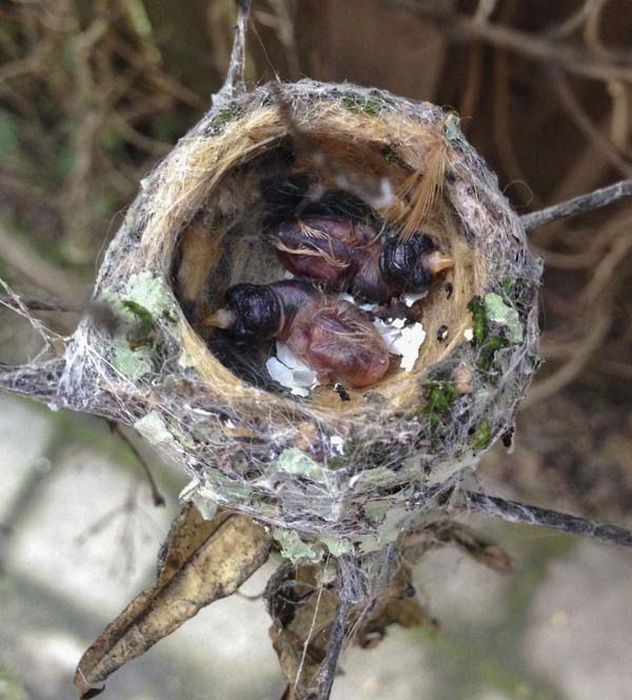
(92, 94)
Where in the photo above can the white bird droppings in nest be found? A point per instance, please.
(291, 372)
(337, 444)
(402, 340)
(410, 299)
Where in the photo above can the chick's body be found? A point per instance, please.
(349, 256)
(337, 341)
(330, 335)
(329, 250)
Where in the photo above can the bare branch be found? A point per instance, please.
(38, 304)
(515, 512)
(578, 205)
(21, 257)
(157, 497)
(39, 382)
(605, 66)
(336, 636)
(234, 82)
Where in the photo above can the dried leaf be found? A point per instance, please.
(200, 562)
(188, 531)
(302, 606)
(302, 601)
(406, 613)
(477, 546)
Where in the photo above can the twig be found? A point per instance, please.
(39, 382)
(37, 304)
(21, 257)
(235, 74)
(336, 637)
(578, 205)
(157, 497)
(514, 512)
(584, 122)
(598, 66)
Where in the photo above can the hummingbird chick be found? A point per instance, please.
(331, 335)
(349, 256)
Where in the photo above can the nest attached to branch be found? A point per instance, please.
(323, 472)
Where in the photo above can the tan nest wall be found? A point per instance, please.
(195, 229)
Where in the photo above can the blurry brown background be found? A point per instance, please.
(94, 92)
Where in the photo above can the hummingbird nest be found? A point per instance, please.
(342, 470)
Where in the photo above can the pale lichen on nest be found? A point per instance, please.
(347, 473)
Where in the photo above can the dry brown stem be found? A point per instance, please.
(614, 65)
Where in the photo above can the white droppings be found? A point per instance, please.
(402, 340)
(337, 444)
(408, 345)
(291, 372)
(410, 299)
(468, 334)
(354, 480)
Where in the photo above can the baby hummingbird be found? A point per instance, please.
(331, 335)
(350, 256)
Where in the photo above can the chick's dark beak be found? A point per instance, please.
(436, 262)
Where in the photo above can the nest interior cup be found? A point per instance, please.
(351, 471)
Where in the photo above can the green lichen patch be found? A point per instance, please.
(222, 489)
(295, 461)
(497, 311)
(477, 308)
(192, 493)
(496, 325)
(154, 429)
(488, 350)
(338, 547)
(220, 120)
(149, 292)
(371, 477)
(390, 521)
(293, 547)
(144, 302)
(372, 103)
(133, 363)
(483, 436)
(451, 128)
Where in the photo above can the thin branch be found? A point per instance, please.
(19, 256)
(336, 637)
(598, 66)
(38, 304)
(39, 382)
(578, 205)
(157, 497)
(234, 82)
(514, 512)
(582, 119)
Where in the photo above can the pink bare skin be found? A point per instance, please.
(329, 334)
(347, 256)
